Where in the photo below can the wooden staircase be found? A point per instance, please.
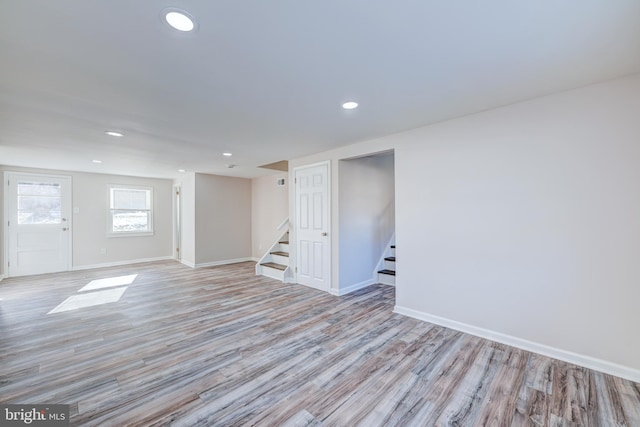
(275, 263)
(387, 275)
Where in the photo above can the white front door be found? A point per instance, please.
(313, 244)
(38, 223)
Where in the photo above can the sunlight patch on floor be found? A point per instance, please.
(97, 292)
(109, 282)
(90, 299)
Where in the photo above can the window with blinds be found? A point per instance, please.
(130, 210)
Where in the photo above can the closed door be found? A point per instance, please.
(313, 242)
(38, 223)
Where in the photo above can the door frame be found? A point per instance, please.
(177, 222)
(5, 211)
(294, 217)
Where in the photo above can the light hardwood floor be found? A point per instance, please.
(219, 346)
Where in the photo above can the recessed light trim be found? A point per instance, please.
(227, 154)
(350, 105)
(114, 133)
(179, 20)
(97, 161)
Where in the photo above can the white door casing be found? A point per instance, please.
(38, 223)
(313, 242)
(177, 221)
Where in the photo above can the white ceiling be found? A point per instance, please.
(265, 79)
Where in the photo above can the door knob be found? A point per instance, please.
(324, 234)
(64, 229)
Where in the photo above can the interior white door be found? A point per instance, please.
(38, 223)
(313, 244)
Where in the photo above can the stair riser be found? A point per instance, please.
(273, 273)
(284, 247)
(390, 265)
(279, 259)
(393, 251)
(386, 279)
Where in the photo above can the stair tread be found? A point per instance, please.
(393, 246)
(281, 253)
(286, 242)
(274, 265)
(386, 271)
(390, 258)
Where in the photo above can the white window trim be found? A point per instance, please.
(110, 232)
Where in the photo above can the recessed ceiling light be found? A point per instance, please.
(180, 20)
(180, 170)
(114, 133)
(350, 105)
(227, 154)
(96, 161)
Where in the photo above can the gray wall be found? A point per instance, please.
(222, 219)
(89, 227)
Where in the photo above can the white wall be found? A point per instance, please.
(525, 221)
(90, 195)
(522, 223)
(269, 207)
(222, 219)
(366, 217)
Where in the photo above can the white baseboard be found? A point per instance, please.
(254, 259)
(556, 353)
(216, 263)
(119, 263)
(352, 288)
(223, 262)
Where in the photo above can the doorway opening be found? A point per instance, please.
(366, 216)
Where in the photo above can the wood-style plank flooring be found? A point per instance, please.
(222, 347)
